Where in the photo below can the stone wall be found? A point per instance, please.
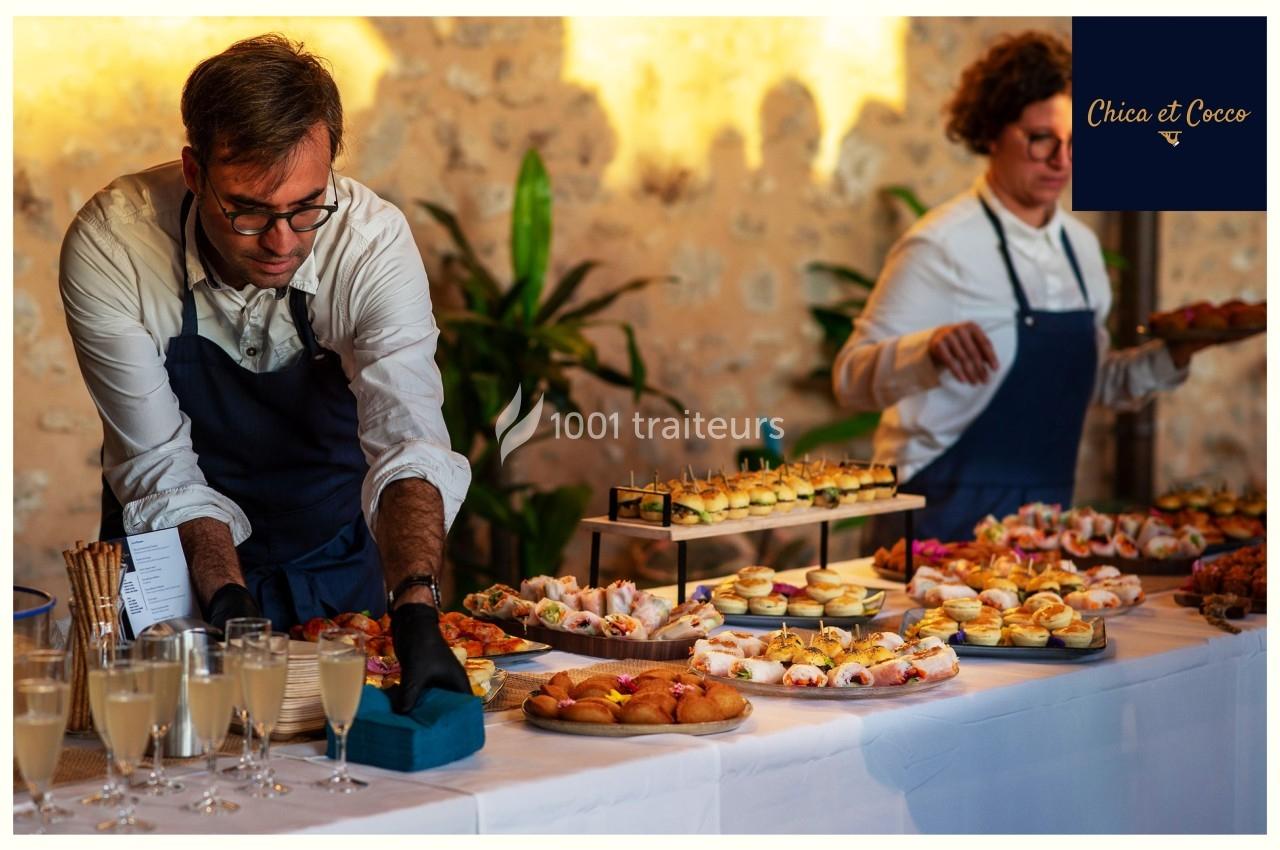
(460, 101)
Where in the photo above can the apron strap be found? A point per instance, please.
(302, 322)
(1024, 308)
(189, 324)
(1075, 266)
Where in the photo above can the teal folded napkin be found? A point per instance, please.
(443, 727)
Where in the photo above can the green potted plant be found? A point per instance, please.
(524, 337)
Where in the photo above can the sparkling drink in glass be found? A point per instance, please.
(129, 704)
(264, 672)
(342, 663)
(41, 703)
(235, 631)
(211, 691)
(157, 655)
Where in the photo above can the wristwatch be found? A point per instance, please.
(415, 580)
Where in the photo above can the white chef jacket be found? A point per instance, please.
(121, 276)
(946, 269)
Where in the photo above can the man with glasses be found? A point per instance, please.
(985, 338)
(256, 333)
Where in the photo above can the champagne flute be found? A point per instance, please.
(41, 703)
(157, 655)
(235, 631)
(105, 647)
(264, 672)
(342, 663)
(210, 693)
(129, 703)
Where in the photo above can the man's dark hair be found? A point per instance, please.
(255, 101)
(1018, 70)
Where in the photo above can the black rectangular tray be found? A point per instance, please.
(1021, 653)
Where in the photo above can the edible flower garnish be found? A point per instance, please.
(614, 696)
(626, 684)
(566, 702)
(678, 689)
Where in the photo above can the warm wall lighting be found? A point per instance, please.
(670, 85)
(78, 80)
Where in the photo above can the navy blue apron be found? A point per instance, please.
(1023, 447)
(283, 446)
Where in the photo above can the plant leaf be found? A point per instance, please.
(485, 282)
(840, 431)
(836, 326)
(531, 230)
(620, 379)
(635, 360)
(1115, 260)
(595, 305)
(908, 197)
(843, 274)
(564, 289)
(553, 518)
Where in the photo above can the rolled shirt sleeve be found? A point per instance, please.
(148, 460)
(397, 385)
(1128, 377)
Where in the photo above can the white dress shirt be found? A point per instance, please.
(121, 279)
(946, 269)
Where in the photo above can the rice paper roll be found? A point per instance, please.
(592, 599)
(889, 640)
(534, 589)
(681, 628)
(804, 676)
(559, 588)
(551, 613)
(619, 596)
(624, 626)
(583, 623)
(758, 670)
(650, 610)
(851, 674)
(713, 663)
(748, 644)
(506, 606)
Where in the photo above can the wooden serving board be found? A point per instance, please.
(798, 516)
(604, 647)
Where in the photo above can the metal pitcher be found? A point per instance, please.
(181, 740)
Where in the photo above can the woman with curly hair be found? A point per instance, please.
(985, 338)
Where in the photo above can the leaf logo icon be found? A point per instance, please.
(518, 434)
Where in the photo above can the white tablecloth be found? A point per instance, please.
(1165, 733)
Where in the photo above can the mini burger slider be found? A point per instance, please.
(848, 485)
(803, 490)
(763, 501)
(826, 493)
(739, 502)
(785, 495)
(688, 508)
(717, 504)
(651, 503)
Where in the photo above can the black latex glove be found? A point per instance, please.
(425, 659)
(231, 601)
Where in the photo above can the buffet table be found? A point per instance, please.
(1165, 733)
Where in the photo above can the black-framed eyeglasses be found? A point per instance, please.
(1042, 147)
(301, 220)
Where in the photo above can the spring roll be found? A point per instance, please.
(592, 599)
(650, 610)
(681, 628)
(851, 674)
(758, 670)
(506, 606)
(713, 663)
(559, 588)
(624, 626)
(534, 589)
(551, 614)
(583, 623)
(619, 596)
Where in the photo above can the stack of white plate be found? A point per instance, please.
(302, 710)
